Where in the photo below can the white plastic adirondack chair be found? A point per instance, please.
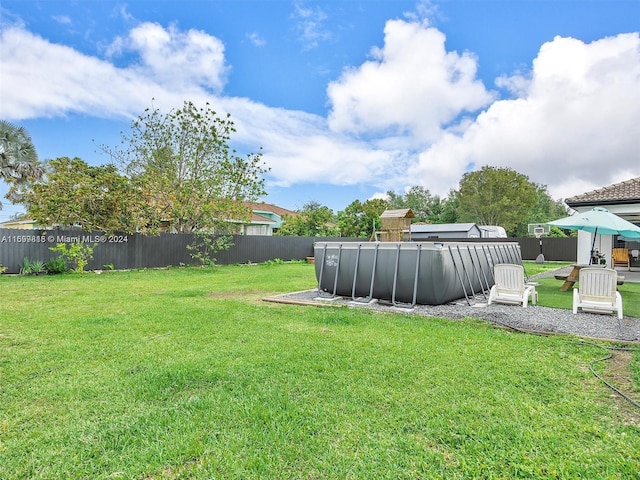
(510, 287)
(596, 292)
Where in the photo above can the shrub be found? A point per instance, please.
(275, 261)
(25, 268)
(37, 266)
(205, 246)
(56, 265)
(31, 267)
(2, 269)
(76, 255)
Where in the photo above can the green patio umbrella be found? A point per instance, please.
(599, 220)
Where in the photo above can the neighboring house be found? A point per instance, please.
(20, 224)
(623, 199)
(266, 218)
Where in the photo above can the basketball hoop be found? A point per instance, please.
(538, 230)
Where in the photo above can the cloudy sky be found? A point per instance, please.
(348, 99)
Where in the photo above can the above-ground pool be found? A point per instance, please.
(425, 273)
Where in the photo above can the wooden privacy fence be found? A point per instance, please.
(554, 249)
(124, 251)
(144, 251)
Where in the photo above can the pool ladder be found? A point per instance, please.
(492, 256)
(369, 297)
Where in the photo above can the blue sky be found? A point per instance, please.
(348, 99)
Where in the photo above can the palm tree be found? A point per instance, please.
(18, 158)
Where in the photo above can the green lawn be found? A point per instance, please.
(533, 268)
(551, 296)
(186, 373)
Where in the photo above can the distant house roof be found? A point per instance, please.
(257, 218)
(268, 207)
(618, 193)
(399, 213)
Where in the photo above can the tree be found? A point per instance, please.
(19, 163)
(544, 210)
(188, 172)
(361, 219)
(97, 198)
(426, 207)
(314, 220)
(450, 207)
(496, 196)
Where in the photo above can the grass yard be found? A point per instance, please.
(533, 268)
(186, 373)
(551, 296)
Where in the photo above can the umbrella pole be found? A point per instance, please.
(593, 244)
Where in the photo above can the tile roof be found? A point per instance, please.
(623, 192)
(257, 218)
(268, 207)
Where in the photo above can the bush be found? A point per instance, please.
(205, 246)
(37, 266)
(25, 269)
(56, 265)
(31, 267)
(34, 267)
(76, 255)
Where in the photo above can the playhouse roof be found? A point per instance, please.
(399, 213)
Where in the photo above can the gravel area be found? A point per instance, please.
(533, 318)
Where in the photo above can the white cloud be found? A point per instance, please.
(412, 86)
(48, 80)
(121, 11)
(62, 19)
(176, 58)
(517, 84)
(310, 25)
(256, 39)
(574, 128)
(423, 11)
(298, 147)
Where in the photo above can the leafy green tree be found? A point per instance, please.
(450, 207)
(314, 220)
(361, 219)
(426, 207)
(559, 233)
(97, 198)
(544, 210)
(19, 163)
(189, 174)
(496, 196)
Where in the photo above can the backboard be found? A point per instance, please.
(539, 229)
